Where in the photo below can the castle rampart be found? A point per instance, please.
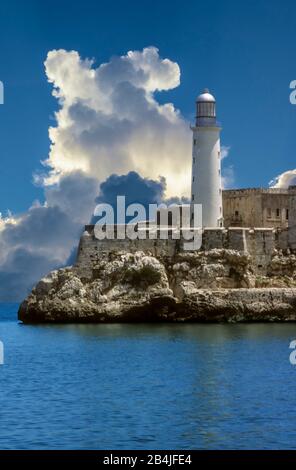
(259, 243)
(259, 207)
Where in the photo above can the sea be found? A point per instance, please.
(146, 386)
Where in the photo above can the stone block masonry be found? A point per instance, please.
(259, 243)
(259, 207)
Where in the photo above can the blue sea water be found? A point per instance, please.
(148, 386)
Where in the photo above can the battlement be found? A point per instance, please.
(247, 191)
(259, 243)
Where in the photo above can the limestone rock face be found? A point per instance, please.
(217, 268)
(206, 286)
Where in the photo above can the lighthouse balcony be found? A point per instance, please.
(207, 122)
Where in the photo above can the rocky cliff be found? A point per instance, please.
(206, 286)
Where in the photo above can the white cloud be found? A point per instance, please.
(227, 171)
(284, 180)
(110, 121)
(224, 151)
(228, 177)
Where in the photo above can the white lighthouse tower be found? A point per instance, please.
(206, 183)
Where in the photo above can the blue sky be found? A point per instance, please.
(243, 51)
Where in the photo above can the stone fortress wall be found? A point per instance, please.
(259, 207)
(260, 243)
(257, 221)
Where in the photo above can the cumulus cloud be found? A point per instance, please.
(75, 195)
(284, 180)
(109, 120)
(134, 187)
(37, 242)
(21, 271)
(47, 235)
(43, 238)
(110, 129)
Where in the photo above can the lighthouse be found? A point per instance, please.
(206, 184)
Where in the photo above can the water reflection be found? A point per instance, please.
(147, 386)
(208, 333)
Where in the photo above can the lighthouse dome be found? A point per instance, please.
(205, 97)
(205, 109)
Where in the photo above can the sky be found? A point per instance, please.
(122, 121)
(243, 51)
